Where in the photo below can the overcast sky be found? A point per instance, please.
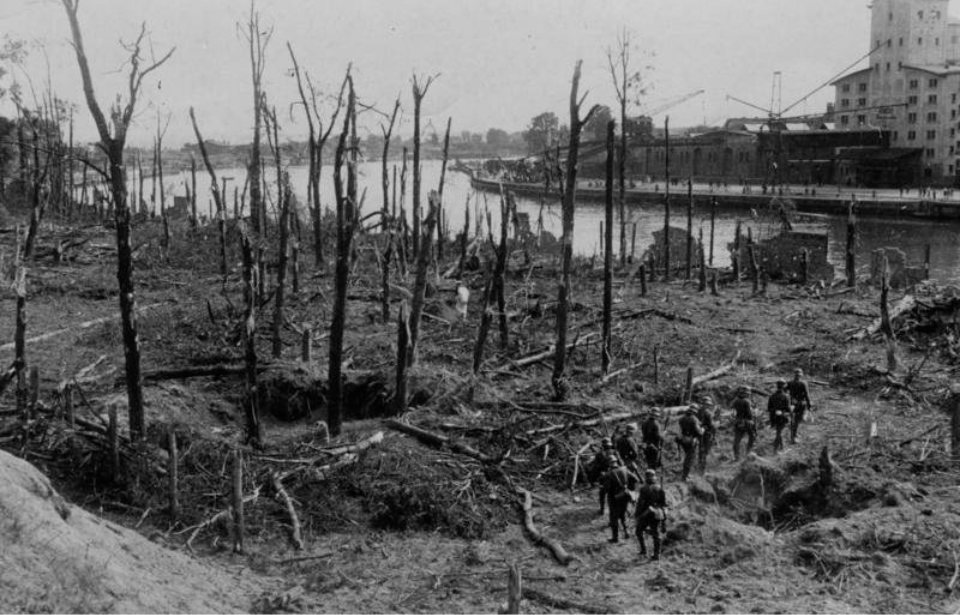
(500, 61)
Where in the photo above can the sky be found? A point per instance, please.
(499, 62)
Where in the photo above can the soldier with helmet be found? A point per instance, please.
(619, 484)
(599, 466)
(744, 423)
(628, 448)
(651, 512)
(778, 408)
(689, 438)
(705, 416)
(800, 399)
(652, 442)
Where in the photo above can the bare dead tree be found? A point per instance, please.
(347, 208)
(443, 174)
(558, 379)
(258, 39)
(628, 85)
(388, 223)
(194, 220)
(420, 286)
(605, 354)
(218, 198)
(158, 144)
(507, 207)
(112, 143)
(316, 139)
(420, 86)
(250, 282)
(284, 195)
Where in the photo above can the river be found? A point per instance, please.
(911, 236)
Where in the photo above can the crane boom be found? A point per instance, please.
(672, 103)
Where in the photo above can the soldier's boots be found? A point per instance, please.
(616, 535)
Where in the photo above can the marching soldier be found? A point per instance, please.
(745, 423)
(705, 416)
(650, 513)
(778, 407)
(629, 449)
(601, 464)
(619, 484)
(800, 399)
(690, 433)
(652, 442)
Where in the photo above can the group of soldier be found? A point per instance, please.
(617, 465)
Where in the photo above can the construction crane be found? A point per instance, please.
(671, 103)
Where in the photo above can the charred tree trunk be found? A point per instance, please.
(851, 261)
(346, 220)
(485, 320)
(713, 225)
(278, 299)
(388, 221)
(886, 327)
(252, 402)
(194, 219)
(403, 349)
(737, 240)
(605, 353)
(419, 91)
(20, 342)
(558, 378)
(689, 272)
(666, 204)
(420, 286)
(443, 175)
(499, 276)
(218, 198)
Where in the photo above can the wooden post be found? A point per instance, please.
(851, 248)
(666, 203)
(485, 319)
(68, 405)
(643, 280)
(514, 589)
(688, 387)
(306, 345)
(172, 477)
(236, 472)
(403, 348)
(441, 215)
(955, 425)
(703, 266)
(114, 437)
(507, 207)
(754, 267)
(826, 469)
(804, 267)
(608, 254)
(633, 243)
(20, 337)
(886, 327)
(656, 365)
(713, 284)
(34, 389)
(737, 241)
(926, 262)
(689, 271)
(603, 242)
(713, 224)
(194, 220)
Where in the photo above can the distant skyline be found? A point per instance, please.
(499, 62)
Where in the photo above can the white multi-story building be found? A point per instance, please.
(912, 85)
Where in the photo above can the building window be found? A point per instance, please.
(932, 99)
(936, 41)
(953, 39)
(844, 103)
(861, 102)
(844, 120)
(911, 118)
(862, 87)
(920, 40)
(914, 84)
(911, 100)
(936, 14)
(861, 120)
(890, 16)
(951, 151)
(931, 152)
(931, 135)
(932, 117)
(932, 83)
(899, 65)
(953, 114)
(911, 135)
(953, 97)
(895, 135)
(845, 87)
(951, 169)
(888, 67)
(889, 43)
(901, 41)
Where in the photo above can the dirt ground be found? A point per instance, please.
(411, 528)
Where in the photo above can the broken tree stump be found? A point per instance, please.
(173, 487)
(236, 474)
(296, 535)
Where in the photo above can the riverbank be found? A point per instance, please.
(818, 200)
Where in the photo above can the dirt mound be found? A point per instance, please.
(59, 558)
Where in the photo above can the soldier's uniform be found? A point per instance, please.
(619, 482)
(705, 416)
(690, 432)
(628, 448)
(778, 408)
(800, 398)
(652, 443)
(650, 513)
(744, 423)
(601, 464)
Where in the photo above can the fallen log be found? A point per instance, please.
(607, 418)
(296, 536)
(222, 517)
(438, 441)
(554, 601)
(720, 371)
(550, 351)
(907, 303)
(81, 326)
(556, 549)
